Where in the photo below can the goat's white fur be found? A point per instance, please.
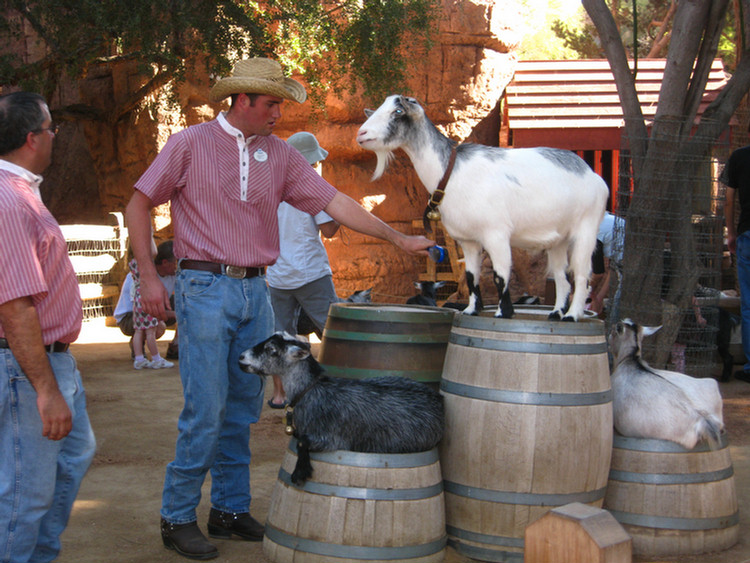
(654, 403)
(535, 199)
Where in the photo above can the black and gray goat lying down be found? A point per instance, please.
(653, 403)
(382, 414)
(427, 293)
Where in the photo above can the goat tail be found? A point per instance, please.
(384, 158)
(709, 428)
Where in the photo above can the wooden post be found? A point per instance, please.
(575, 533)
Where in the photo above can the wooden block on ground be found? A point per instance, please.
(574, 533)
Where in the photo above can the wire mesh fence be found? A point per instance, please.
(674, 248)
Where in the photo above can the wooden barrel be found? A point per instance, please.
(673, 501)
(358, 507)
(528, 426)
(363, 340)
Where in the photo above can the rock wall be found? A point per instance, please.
(459, 81)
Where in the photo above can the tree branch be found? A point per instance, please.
(706, 55)
(661, 40)
(157, 81)
(687, 34)
(635, 125)
(720, 111)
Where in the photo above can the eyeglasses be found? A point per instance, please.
(52, 129)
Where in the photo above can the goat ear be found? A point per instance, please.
(649, 330)
(369, 112)
(298, 353)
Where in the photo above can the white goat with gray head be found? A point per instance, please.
(535, 199)
(654, 403)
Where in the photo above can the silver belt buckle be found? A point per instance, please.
(236, 272)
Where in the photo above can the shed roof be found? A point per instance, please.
(563, 103)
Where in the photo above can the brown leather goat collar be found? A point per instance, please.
(290, 410)
(431, 212)
(298, 398)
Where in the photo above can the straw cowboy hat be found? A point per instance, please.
(258, 76)
(307, 144)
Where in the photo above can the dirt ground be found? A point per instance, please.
(134, 415)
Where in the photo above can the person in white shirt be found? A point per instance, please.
(301, 279)
(606, 248)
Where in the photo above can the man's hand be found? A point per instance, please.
(414, 244)
(732, 244)
(57, 420)
(154, 297)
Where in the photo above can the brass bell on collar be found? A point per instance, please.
(289, 428)
(433, 215)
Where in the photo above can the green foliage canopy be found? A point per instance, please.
(335, 44)
(650, 21)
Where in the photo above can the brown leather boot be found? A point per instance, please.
(187, 540)
(224, 524)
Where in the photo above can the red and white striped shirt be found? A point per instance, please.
(34, 261)
(225, 191)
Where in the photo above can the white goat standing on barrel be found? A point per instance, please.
(654, 403)
(495, 198)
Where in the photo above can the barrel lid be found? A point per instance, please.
(662, 446)
(372, 459)
(530, 319)
(395, 313)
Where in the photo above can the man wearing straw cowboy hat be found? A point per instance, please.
(225, 179)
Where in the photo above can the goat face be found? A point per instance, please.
(274, 355)
(360, 296)
(625, 339)
(388, 128)
(428, 288)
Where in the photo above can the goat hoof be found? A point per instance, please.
(568, 319)
(554, 316)
(299, 478)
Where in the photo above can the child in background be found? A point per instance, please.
(144, 325)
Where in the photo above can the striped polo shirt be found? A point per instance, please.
(225, 190)
(34, 260)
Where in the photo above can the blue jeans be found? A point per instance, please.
(743, 276)
(39, 478)
(219, 318)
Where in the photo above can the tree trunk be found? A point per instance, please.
(664, 163)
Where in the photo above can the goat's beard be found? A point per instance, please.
(384, 158)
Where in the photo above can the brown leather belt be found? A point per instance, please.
(237, 272)
(56, 348)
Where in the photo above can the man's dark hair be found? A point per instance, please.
(20, 114)
(252, 97)
(164, 252)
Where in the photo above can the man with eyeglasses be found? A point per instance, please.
(46, 442)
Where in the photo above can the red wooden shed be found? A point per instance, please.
(574, 105)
